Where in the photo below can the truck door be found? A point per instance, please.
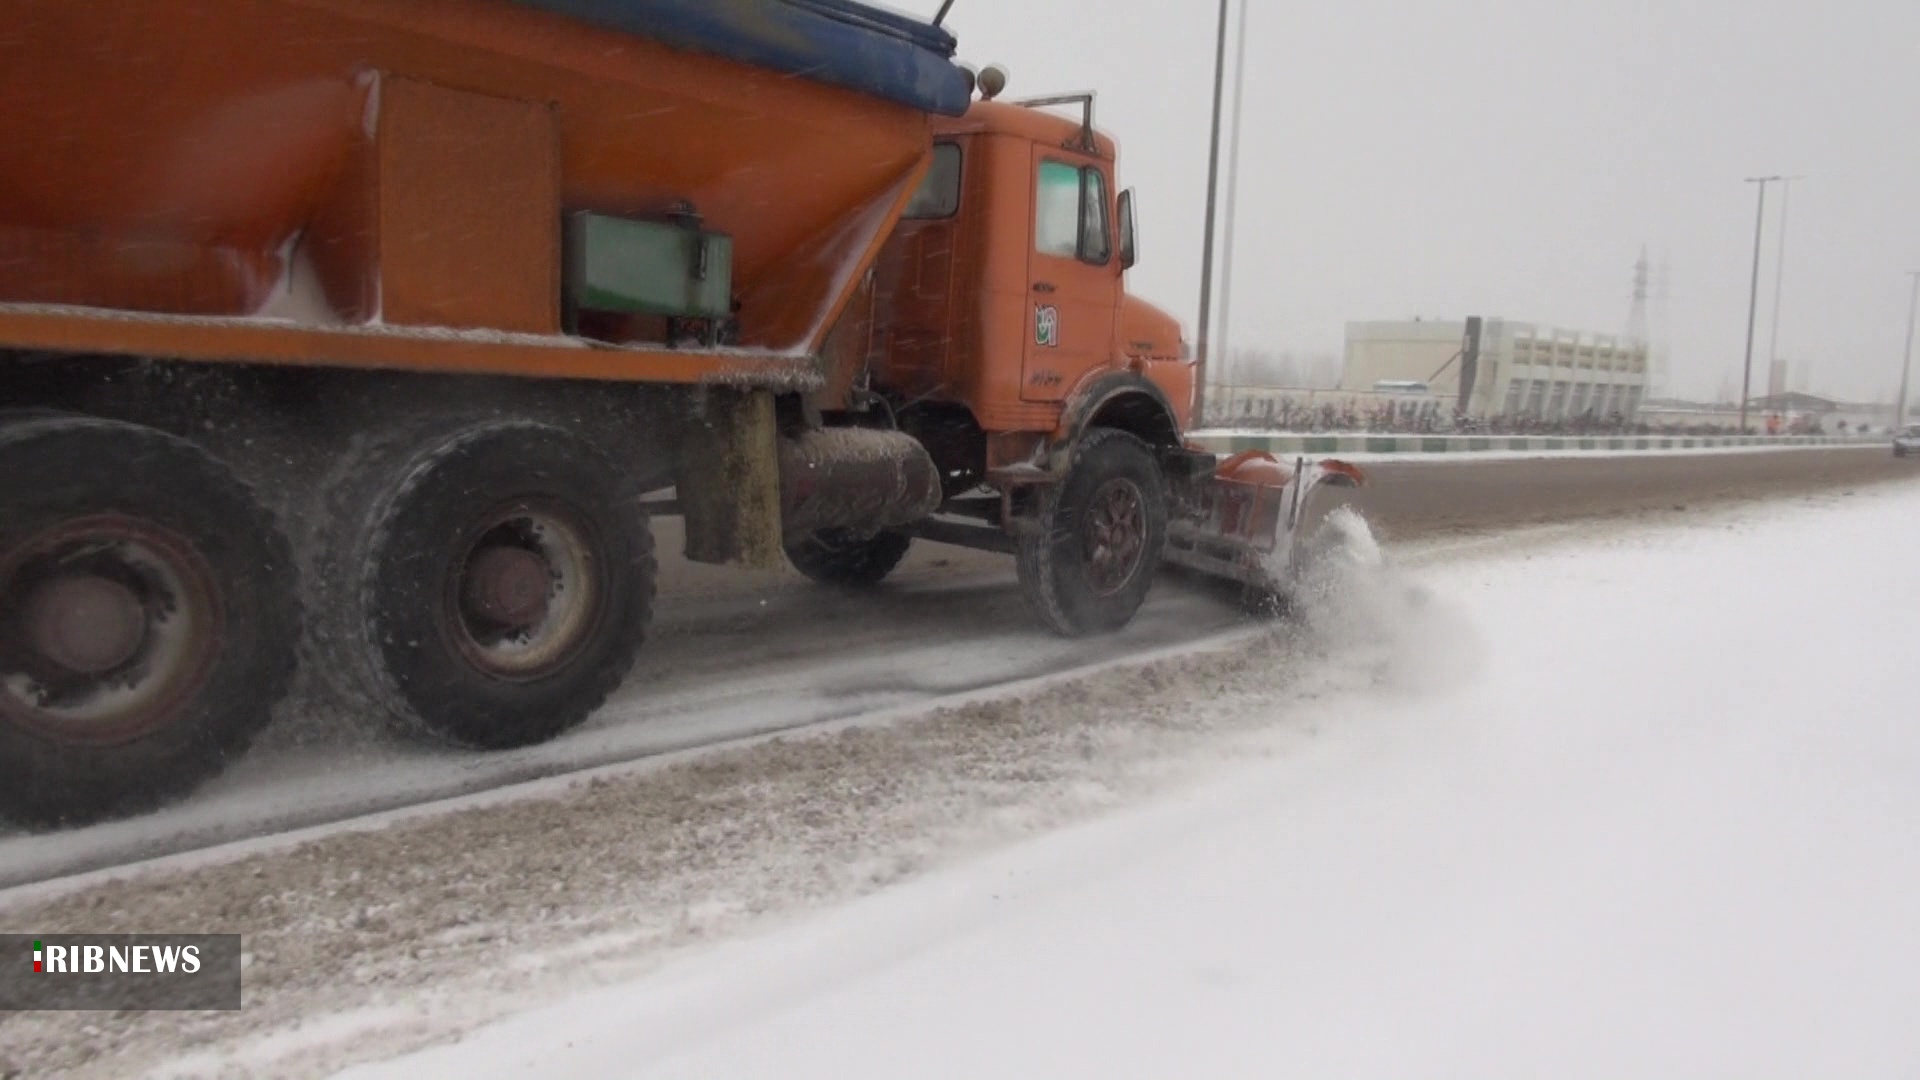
(1072, 283)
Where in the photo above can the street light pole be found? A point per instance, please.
(1206, 247)
(1779, 272)
(1753, 295)
(1233, 191)
(1906, 358)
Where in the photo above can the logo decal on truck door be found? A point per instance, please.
(1046, 326)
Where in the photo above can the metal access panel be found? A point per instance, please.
(648, 268)
(465, 189)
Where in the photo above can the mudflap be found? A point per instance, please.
(1255, 521)
(728, 477)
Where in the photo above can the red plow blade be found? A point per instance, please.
(1256, 517)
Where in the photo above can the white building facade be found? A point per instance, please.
(1526, 370)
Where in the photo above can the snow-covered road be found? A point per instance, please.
(1647, 805)
(737, 654)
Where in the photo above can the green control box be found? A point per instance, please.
(647, 267)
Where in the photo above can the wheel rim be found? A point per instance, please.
(524, 592)
(1115, 535)
(115, 625)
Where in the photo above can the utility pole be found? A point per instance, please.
(1206, 249)
(1906, 358)
(1233, 191)
(1780, 269)
(1753, 295)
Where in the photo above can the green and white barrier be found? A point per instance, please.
(1276, 443)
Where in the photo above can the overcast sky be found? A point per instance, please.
(1509, 157)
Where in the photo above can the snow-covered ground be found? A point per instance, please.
(1647, 805)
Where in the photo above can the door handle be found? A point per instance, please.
(1043, 286)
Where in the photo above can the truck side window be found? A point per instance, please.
(1096, 244)
(939, 193)
(1070, 215)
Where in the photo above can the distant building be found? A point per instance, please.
(1777, 379)
(1795, 403)
(1792, 411)
(1831, 414)
(1525, 370)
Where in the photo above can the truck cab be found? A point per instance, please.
(1003, 289)
(997, 331)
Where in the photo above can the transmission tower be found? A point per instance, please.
(1637, 315)
(1659, 362)
(1640, 328)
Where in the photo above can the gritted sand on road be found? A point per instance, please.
(364, 942)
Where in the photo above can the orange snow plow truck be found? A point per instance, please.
(368, 335)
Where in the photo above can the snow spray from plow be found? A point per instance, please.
(1351, 602)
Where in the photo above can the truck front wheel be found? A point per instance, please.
(1087, 568)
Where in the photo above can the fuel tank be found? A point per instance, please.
(854, 478)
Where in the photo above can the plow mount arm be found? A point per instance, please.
(1256, 520)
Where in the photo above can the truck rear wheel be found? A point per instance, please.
(500, 588)
(1088, 567)
(836, 557)
(147, 618)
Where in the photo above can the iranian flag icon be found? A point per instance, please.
(36, 954)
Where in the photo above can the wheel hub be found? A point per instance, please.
(524, 596)
(509, 586)
(111, 624)
(1116, 536)
(85, 623)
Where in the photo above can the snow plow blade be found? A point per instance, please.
(1256, 520)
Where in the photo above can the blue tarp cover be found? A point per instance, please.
(839, 42)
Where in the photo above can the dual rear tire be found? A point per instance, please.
(148, 618)
(492, 588)
(486, 584)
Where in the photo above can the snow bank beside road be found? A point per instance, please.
(1481, 446)
(1662, 824)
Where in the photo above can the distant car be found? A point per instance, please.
(1907, 441)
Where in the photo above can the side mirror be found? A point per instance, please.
(1127, 252)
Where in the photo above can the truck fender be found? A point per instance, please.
(1122, 399)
